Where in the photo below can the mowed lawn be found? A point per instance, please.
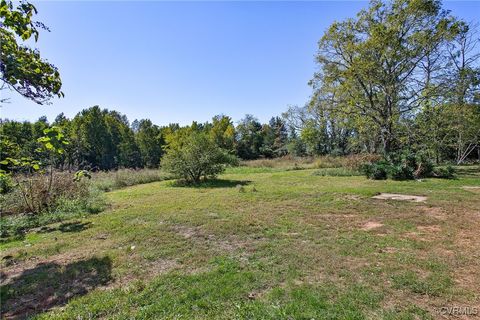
(255, 244)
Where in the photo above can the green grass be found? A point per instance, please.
(286, 244)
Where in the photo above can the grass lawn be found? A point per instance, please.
(256, 244)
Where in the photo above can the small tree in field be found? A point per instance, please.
(195, 157)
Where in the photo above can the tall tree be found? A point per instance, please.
(223, 132)
(373, 62)
(150, 142)
(249, 138)
(465, 92)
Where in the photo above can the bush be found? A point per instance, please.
(377, 170)
(195, 157)
(447, 172)
(357, 161)
(403, 166)
(6, 183)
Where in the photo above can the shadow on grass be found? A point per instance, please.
(15, 237)
(210, 183)
(19, 235)
(48, 285)
(75, 226)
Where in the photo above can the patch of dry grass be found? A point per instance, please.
(351, 162)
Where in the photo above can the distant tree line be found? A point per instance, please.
(100, 139)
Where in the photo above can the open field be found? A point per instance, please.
(259, 243)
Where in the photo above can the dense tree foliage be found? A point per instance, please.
(196, 156)
(150, 141)
(402, 74)
(22, 69)
(102, 140)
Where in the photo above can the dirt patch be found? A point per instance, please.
(162, 266)
(474, 189)
(426, 233)
(152, 269)
(16, 267)
(468, 240)
(186, 232)
(388, 250)
(337, 215)
(401, 197)
(371, 225)
(434, 212)
(352, 197)
(228, 243)
(429, 228)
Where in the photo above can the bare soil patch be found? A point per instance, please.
(474, 189)
(229, 244)
(371, 225)
(429, 228)
(434, 212)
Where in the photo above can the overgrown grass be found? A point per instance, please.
(112, 180)
(351, 162)
(91, 201)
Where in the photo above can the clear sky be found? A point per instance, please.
(184, 61)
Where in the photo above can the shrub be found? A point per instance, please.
(407, 165)
(377, 170)
(447, 172)
(400, 172)
(195, 157)
(404, 166)
(6, 184)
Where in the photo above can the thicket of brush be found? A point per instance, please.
(34, 200)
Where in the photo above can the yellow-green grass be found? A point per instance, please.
(255, 245)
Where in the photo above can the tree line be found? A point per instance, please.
(401, 76)
(100, 139)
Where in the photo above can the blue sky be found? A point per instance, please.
(184, 61)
